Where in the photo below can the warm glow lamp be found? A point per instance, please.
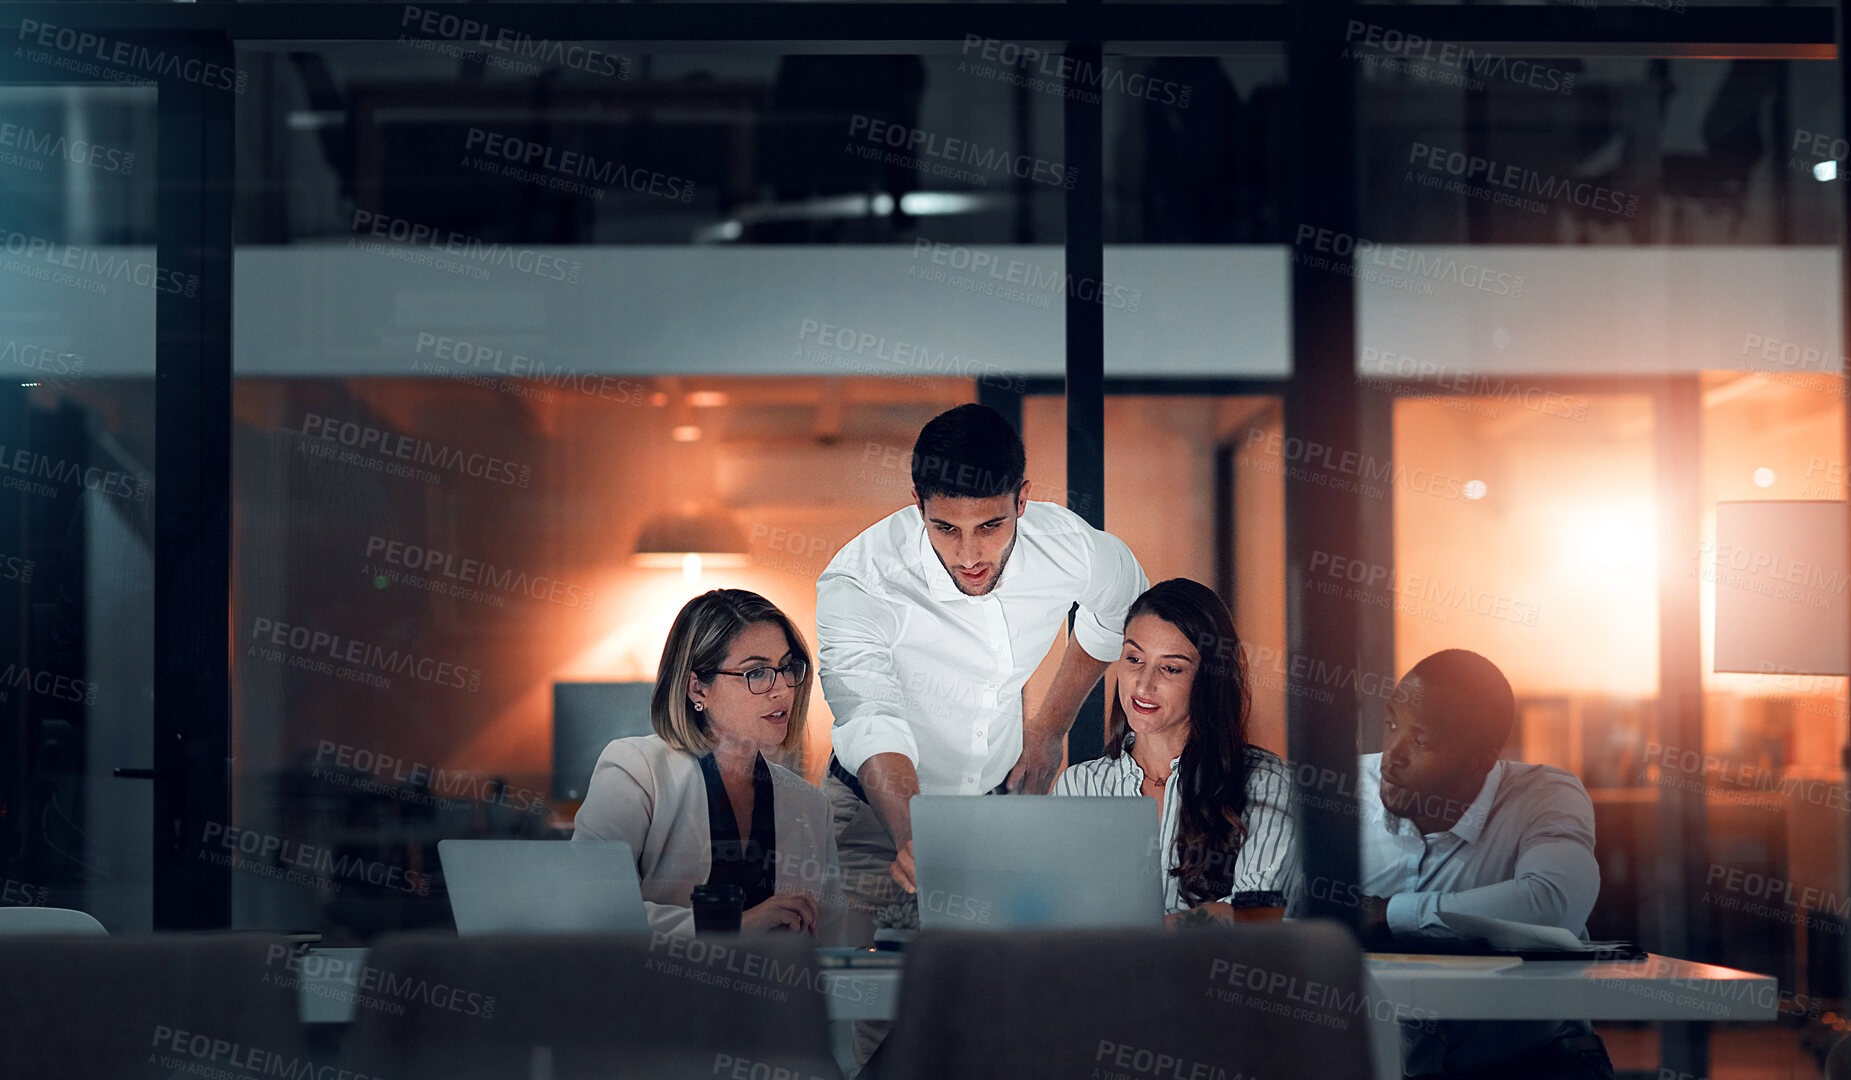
(1780, 569)
(691, 541)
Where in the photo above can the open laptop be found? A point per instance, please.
(984, 862)
(542, 886)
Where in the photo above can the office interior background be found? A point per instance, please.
(388, 374)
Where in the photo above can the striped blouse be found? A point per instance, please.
(1268, 857)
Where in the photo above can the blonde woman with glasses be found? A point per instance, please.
(697, 801)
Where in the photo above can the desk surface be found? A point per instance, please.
(1655, 988)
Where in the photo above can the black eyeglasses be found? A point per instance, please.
(760, 680)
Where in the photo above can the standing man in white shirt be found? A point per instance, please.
(928, 626)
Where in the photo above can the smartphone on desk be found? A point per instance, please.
(847, 956)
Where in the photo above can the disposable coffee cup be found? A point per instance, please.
(718, 909)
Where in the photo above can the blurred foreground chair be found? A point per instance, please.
(1277, 1000)
(1838, 1062)
(48, 920)
(579, 1007)
(137, 1008)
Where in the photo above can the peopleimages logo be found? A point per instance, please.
(418, 451)
(905, 354)
(1058, 73)
(601, 173)
(1410, 263)
(450, 242)
(1156, 1063)
(310, 863)
(1350, 470)
(468, 571)
(76, 151)
(310, 645)
(85, 260)
(142, 62)
(439, 24)
(30, 467)
(416, 781)
(38, 358)
(21, 894)
(930, 145)
(46, 684)
(384, 990)
(1520, 179)
(469, 355)
(1822, 145)
(1284, 993)
(1377, 585)
(1448, 381)
(221, 1059)
(1448, 54)
(1021, 272)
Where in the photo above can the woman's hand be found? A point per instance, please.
(1215, 912)
(785, 911)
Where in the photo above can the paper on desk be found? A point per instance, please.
(1403, 961)
(1505, 934)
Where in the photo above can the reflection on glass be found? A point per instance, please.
(1191, 489)
(437, 148)
(420, 561)
(76, 497)
(1472, 145)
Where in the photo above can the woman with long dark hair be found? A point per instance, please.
(1179, 735)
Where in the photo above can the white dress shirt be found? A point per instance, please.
(1268, 858)
(911, 665)
(1523, 850)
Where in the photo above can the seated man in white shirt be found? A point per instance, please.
(1449, 827)
(928, 626)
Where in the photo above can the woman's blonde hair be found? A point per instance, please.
(697, 644)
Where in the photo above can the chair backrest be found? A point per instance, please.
(1271, 1000)
(1838, 1062)
(137, 1008)
(48, 920)
(579, 1007)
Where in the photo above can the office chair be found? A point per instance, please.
(140, 1008)
(48, 920)
(1274, 1000)
(589, 1007)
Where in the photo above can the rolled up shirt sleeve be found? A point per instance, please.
(1115, 581)
(1555, 883)
(1268, 859)
(855, 637)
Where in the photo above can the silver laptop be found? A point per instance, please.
(542, 886)
(988, 862)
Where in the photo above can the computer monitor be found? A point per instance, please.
(1007, 862)
(586, 717)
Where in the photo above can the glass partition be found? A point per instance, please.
(522, 367)
(1593, 304)
(77, 315)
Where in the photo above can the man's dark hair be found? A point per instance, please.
(1467, 695)
(969, 452)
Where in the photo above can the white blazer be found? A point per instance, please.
(652, 796)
